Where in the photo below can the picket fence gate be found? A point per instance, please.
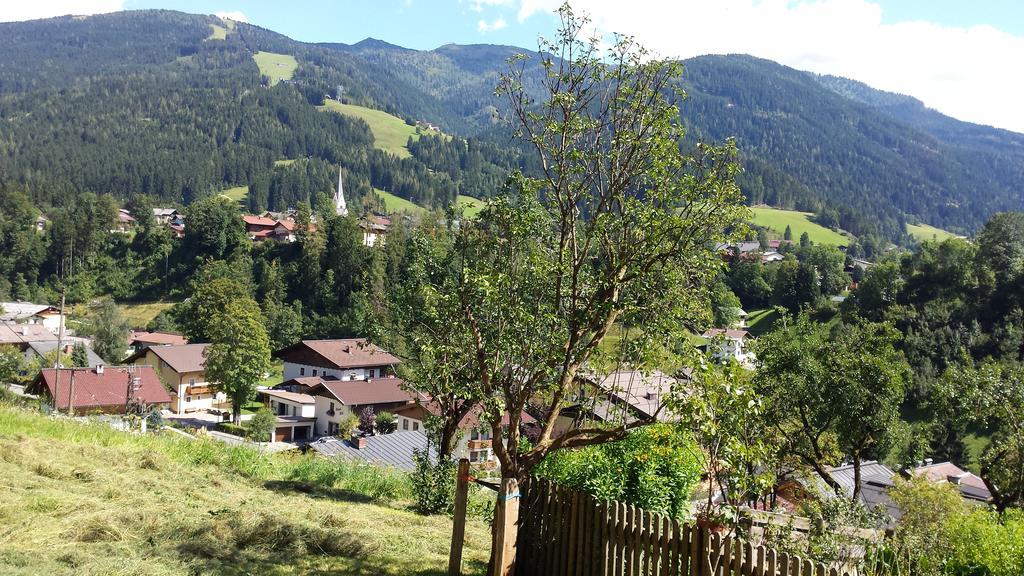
(563, 532)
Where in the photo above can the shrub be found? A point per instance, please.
(261, 425)
(232, 428)
(155, 420)
(655, 467)
(367, 421)
(386, 423)
(433, 483)
(347, 424)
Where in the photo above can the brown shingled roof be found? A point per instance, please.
(182, 358)
(360, 392)
(344, 353)
(158, 338)
(94, 390)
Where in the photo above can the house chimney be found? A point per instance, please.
(359, 442)
(24, 330)
(928, 461)
(957, 478)
(99, 369)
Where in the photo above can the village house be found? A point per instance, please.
(375, 229)
(40, 223)
(21, 335)
(125, 222)
(165, 216)
(729, 344)
(102, 389)
(336, 400)
(141, 339)
(343, 359)
(295, 412)
(475, 441)
(29, 313)
(970, 486)
(181, 368)
(619, 397)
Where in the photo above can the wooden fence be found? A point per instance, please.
(568, 533)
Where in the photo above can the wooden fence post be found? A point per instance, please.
(506, 516)
(459, 520)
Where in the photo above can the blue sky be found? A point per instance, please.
(961, 57)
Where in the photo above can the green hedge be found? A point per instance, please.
(231, 428)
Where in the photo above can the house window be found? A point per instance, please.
(479, 456)
(314, 371)
(330, 411)
(188, 398)
(476, 434)
(302, 371)
(405, 424)
(369, 373)
(191, 381)
(415, 426)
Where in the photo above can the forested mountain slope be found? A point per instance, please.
(155, 103)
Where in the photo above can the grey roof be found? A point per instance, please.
(20, 310)
(44, 347)
(393, 449)
(870, 471)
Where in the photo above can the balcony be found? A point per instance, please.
(479, 444)
(197, 390)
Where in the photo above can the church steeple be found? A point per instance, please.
(339, 198)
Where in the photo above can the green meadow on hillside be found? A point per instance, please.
(85, 499)
(471, 206)
(799, 222)
(276, 66)
(139, 314)
(390, 133)
(396, 204)
(922, 232)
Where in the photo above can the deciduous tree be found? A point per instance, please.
(239, 353)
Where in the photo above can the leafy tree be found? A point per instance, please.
(196, 316)
(385, 423)
(215, 229)
(239, 353)
(762, 238)
(992, 395)
(747, 280)
(12, 364)
(367, 421)
(109, 329)
(788, 234)
(79, 357)
(805, 240)
(832, 392)
(261, 425)
(725, 306)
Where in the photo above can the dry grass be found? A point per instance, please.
(142, 313)
(84, 499)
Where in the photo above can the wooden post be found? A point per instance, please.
(506, 516)
(459, 520)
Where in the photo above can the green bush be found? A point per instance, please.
(386, 423)
(433, 483)
(985, 543)
(655, 467)
(261, 425)
(232, 428)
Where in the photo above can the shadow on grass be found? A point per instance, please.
(318, 491)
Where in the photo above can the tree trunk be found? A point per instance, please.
(856, 476)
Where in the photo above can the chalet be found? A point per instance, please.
(770, 256)
(165, 216)
(295, 412)
(620, 397)
(726, 343)
(257, 227)
(125, 222)
(970, 486)
(29, 313)
(21, 335)
(345, 359)
(335, 400)
(141, 339)
(284, 231)
(177, 230)
(375, 229)
(475, 443)
(181, 369)
(43, 348)
(108, 390)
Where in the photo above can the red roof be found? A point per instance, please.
(251, 220)
(288, 225)
(94, 390)
(144, 337)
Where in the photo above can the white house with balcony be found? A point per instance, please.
(726, 343)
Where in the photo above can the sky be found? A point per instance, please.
(964, 58)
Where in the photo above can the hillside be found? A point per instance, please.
(799, 222)
(83, 499)
(213, 87)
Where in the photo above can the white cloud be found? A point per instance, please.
(17, 11)
(484, 26)
(236, 16)
(971, 73)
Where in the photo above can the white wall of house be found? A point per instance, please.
(294, 370)
(472, 444)
(327, 423)
(282, 407)
(733, 348)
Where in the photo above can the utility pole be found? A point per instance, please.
(71, 394)
(56, 366)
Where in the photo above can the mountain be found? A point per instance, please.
(174, 106)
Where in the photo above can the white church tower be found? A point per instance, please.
(339, 198)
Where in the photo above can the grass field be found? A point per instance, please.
(761, 321)
(140, 314)
(922, 232)
(396, 204)
(276, 66)
(799, 222)
(285, 162)
(85, 499)
(236, 194)
(390, 133)
(218, 33)
(472, 206)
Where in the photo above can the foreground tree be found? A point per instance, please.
(619, 226)
(832, 392)
(239, 353)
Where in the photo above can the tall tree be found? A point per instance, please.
(620, 225)
(832, 392)
(196, 315)
(239, 353)
(109, 329)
